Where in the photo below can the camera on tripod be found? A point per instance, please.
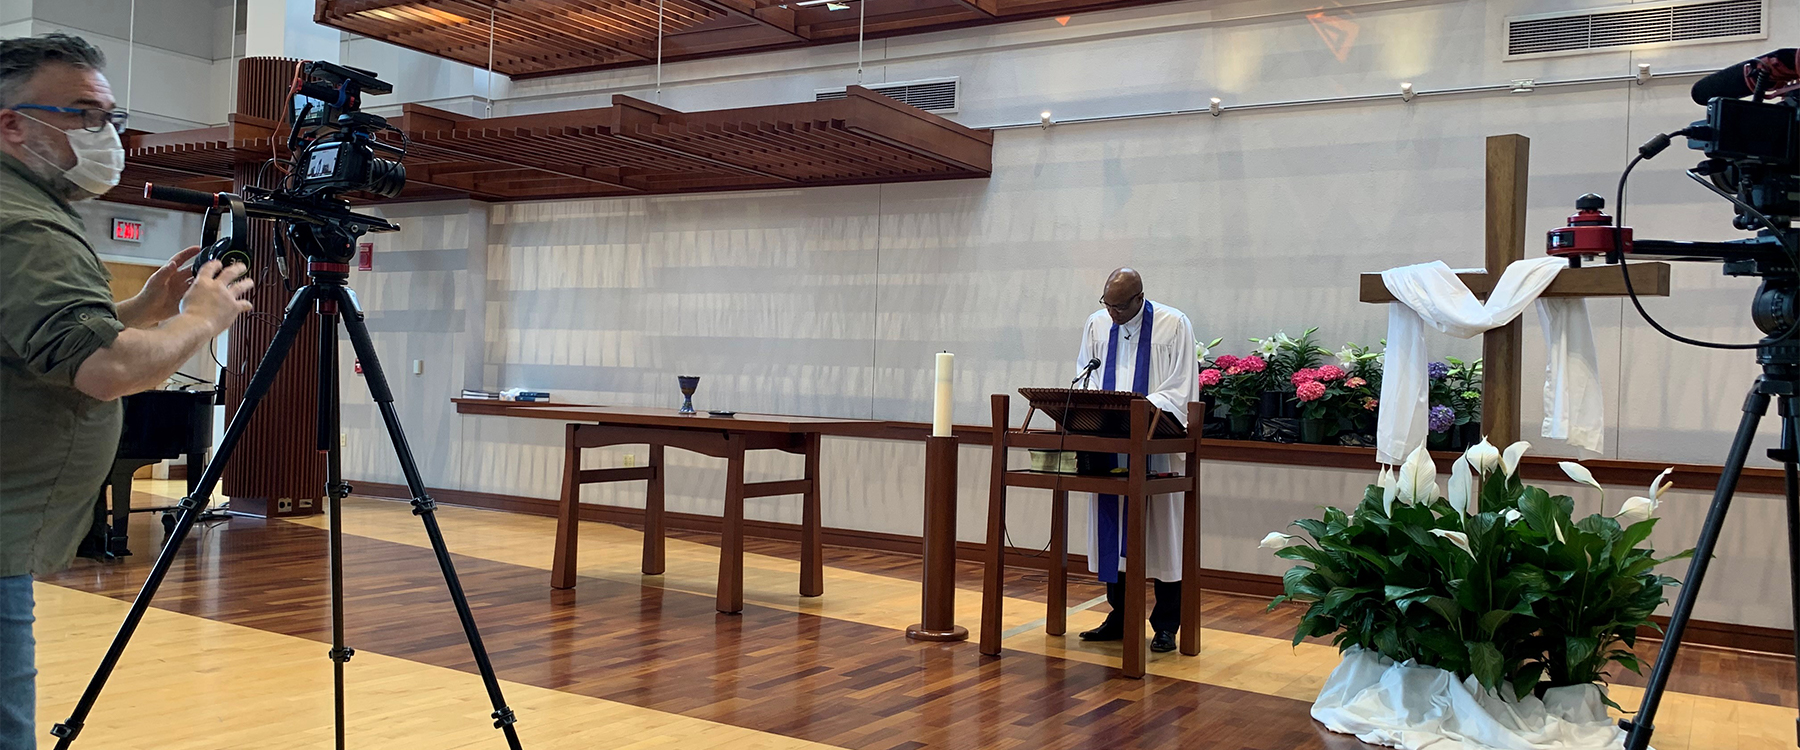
(336, 149)
(1752, 160)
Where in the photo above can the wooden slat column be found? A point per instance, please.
(277, 458)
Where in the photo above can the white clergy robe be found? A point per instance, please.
(1173, 382)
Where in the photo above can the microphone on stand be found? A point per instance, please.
(1086, 373)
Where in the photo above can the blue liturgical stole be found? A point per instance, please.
(1111, 510)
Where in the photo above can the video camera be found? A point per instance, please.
(334, 147)
(334, 142)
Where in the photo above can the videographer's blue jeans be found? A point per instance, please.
(18, 666)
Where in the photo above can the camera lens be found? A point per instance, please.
(387, 177)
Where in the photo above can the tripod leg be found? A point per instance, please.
(1641, 726)
(190, 507)
(335, 491)
(1787, 454)
(423, 506)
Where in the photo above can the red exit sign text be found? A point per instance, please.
(128, 230)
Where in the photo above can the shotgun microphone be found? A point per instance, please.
(1737, 81)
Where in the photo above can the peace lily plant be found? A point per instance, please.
(1489, 577)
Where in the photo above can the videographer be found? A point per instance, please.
(67, 353)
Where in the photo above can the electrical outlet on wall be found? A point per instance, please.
(284, 505)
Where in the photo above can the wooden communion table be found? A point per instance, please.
(729, 438)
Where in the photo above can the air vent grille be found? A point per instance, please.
(1607, 29)
(937, 95)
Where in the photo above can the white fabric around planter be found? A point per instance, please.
(1425, 708)
(1431, 294)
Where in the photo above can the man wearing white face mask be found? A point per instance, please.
(67, 353)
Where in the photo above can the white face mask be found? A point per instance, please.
(99, 158)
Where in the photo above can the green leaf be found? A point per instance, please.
(1303, 630)
(1485, 663)
(1449, 651)
(1579, 649)
(1380, 563)
(1313, 527)
(1526, 680)
(1395, 593)
(1539, 511)
(1633, 536)
(1629, 660)
(1493, 620)
(1387, 642)
(1338, 597)
(1295, 578)
(1445, 607)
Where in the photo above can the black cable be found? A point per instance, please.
(1649, 150)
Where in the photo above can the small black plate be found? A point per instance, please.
(721, 413)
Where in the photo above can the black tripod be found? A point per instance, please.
(334, 298)
(1779, 355)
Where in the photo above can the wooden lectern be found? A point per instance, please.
(1118, 423)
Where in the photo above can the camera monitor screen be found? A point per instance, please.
(309, 113)
(323, 161)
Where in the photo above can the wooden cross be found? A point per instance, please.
(1508, 159)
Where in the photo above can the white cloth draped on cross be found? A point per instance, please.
(1431, 294)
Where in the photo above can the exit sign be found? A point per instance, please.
(128, 230)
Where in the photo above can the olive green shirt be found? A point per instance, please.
(56, 443)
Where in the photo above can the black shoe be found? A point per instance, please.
(1164, 642)
(1106, 632)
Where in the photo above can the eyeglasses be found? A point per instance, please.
(92, 120)
(1123, 306)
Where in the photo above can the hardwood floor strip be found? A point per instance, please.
(197, 684)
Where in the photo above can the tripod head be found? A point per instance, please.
(324, 229)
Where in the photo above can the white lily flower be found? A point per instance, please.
(1509, 460)
(1658, 486)
(1267, 347)
(1278, 540)
(1483, 457)
(1418, 478)
(1462, 486)
(1457, 538)
(1390, 488)
(1200, 351)
(1282, 338)
(1581, 475)
(1347, 355)
(1511, 515)
(1635, 510)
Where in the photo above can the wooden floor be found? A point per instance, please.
(231, 656)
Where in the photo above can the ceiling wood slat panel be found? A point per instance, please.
(552, 37)
(630, 148)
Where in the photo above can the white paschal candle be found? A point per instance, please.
(940, 405)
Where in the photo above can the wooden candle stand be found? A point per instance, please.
(937, 621)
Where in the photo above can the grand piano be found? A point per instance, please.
(159, 425)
